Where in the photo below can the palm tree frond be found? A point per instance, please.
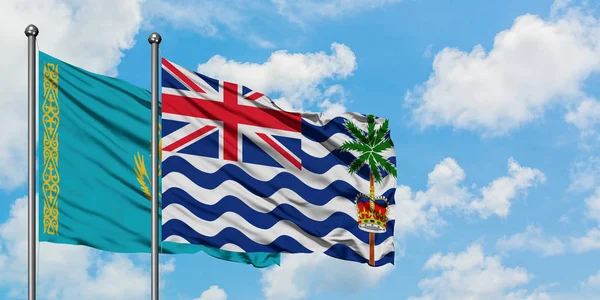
(384, 145)
(371, 129)
(382, 131)
(374, 169)
(385, 164)
(356, 132)
(356, 146)
(357, 163)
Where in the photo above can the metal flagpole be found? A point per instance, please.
(31, 32)
(154, 39)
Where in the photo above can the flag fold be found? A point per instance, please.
(94, 164)
(241, 174)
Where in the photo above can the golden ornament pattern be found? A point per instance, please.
(50, 121)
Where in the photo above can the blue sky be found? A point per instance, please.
(493, 109)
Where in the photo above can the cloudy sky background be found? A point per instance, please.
(494, 113)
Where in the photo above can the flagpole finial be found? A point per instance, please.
(32, 30)
(154, 38)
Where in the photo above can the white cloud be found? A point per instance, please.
(302, 86)
(75, 31)
(308, 10)
(301, 275)
(586, 116)
(427, 52)
(261, 42)
(66, 271)
(593, 205)
(588, 290)
(589, 242)
(332, 102)
(524, 295)
(559, 6)
(168, 266)
(332, 108)
(335, 98)
(593, 282)
(420, 211)
(117, 278)
(216, 19)
(446, 190)
(204, 17)
(585, 175)
(532, 66)
(533, 240)
(415, 214)
(472, 275)
(498, 195)
(213, 293)
(239, 17)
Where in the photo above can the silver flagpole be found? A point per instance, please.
(154, 40)
(31, 32)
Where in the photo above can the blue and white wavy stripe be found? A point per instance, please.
(252, 208)
(314, 175)
(265, 210)
(314, 208)
(266, 220)
(284, 236)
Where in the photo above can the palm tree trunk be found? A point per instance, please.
(371, 234)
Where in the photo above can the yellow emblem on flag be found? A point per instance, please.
(142, 176)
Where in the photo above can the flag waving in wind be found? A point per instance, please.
(95, 138)
(241, 174)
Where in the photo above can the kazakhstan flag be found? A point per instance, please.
(94, 146)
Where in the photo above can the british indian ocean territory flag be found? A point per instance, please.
(243, 175)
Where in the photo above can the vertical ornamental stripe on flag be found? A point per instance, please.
(94, 164)
(241, 174)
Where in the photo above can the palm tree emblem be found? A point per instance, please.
(370, 146)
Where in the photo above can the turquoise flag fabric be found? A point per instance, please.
(94, 165)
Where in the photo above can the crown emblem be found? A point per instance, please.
(372, 213)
